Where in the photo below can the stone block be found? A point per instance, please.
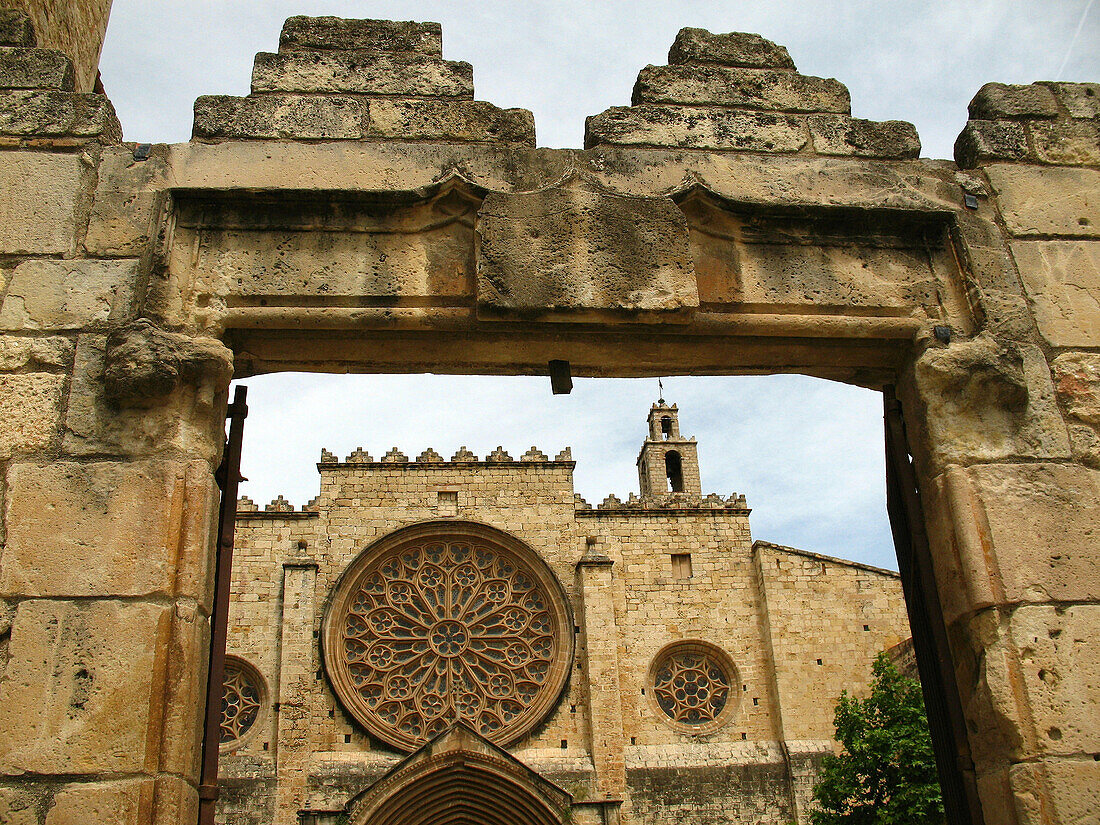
(127, 199)
(83, 689)
(16, 28)
(35, 69)
(18, 806)
(1047, 200)
(1085, 443)
(280, 117)
(1043, 792)
(988, 401)
(695, 128)
(14, 352)
(103, 803)
(30, 409)
(1059, 650)
(1082, 100)
(732, 49)
(52, 352)
(741, 88)
(840, 135)
(45, 113)
(545, 252)
(109, 529)
(38, 194)
(995, 708)
(17, 352)
(985, 141)
(1069, 790)
(473, 121)
(339, 34)
(1000, 101)
(1066, 142)
(1062, 282)
(185, 699)
(406, 74)
(74, 294)
(176, 801)
(1077, 384)
(1038, 525)
(97, 425)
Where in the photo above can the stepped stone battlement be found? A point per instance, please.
(38, 105)
(738, 92)
(364, 80)
(1045, 122)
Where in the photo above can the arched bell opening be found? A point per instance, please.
(674, 470)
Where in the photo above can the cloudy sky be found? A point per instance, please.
(808, 454)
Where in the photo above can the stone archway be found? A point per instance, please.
(459, 778)
(694, 234)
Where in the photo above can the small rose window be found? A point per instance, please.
(242, 700)
(693, 685)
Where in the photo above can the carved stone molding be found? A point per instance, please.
(144, 363)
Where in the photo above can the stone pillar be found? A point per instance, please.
(110, 430)
(1006, 433)
(298, 684)
(601, 634)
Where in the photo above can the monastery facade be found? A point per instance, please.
(636, 662)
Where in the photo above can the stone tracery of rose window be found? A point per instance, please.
(691, 685)
(445, 625)
(242, 700)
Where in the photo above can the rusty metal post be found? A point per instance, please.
(228, 477)
(930, 641)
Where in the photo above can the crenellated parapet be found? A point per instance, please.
(1046, 123)
(668, 503)
(396, 459)
(738, 92)
(362, 80)
(279, 508)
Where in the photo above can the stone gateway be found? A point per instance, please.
(360, 211)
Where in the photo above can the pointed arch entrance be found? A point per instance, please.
(460, 778)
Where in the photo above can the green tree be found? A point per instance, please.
(886, 774)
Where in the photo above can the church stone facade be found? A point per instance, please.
(641, 661)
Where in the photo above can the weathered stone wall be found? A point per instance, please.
(628, 601)
(824, 616)
(736, 219)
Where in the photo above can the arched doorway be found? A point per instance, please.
(460, 778)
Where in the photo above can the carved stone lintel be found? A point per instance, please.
(144, 363)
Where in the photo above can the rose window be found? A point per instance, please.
(446, 623)
(692, 685)
(242, 700)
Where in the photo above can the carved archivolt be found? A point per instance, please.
(693, 685)
(457, 779)
(448, 622)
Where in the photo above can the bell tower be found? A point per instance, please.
(668, 462)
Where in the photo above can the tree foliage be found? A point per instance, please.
(886, 774)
